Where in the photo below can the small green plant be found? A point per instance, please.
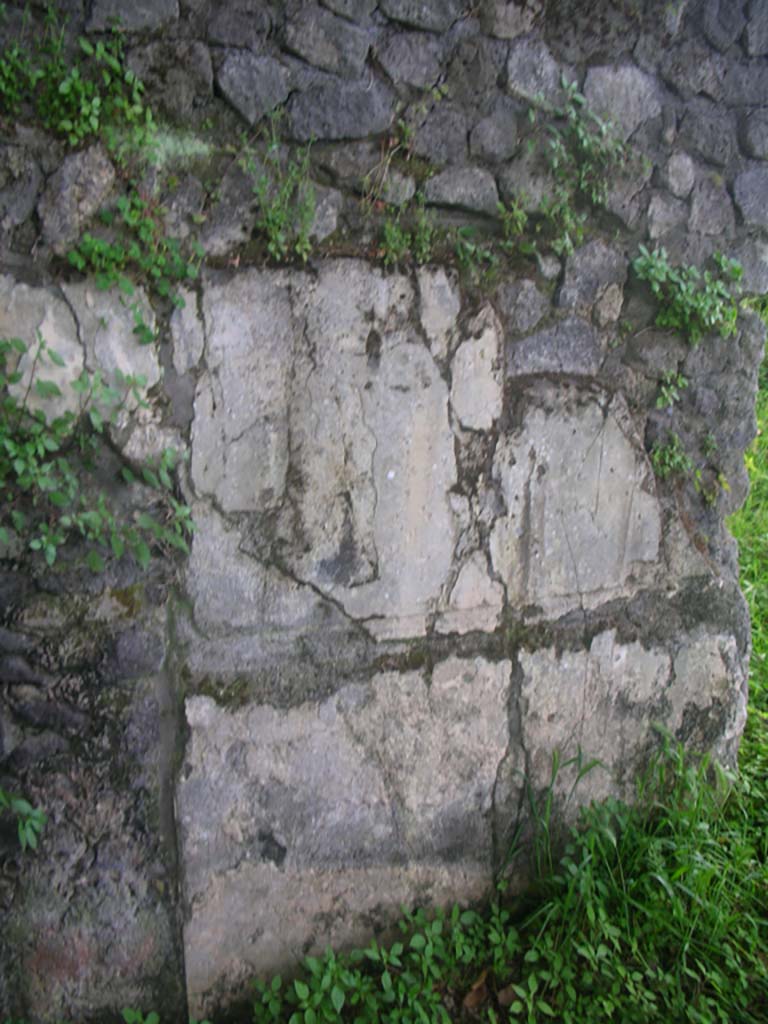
(562, 222)
(690, 302)
(399, 242)
(48, 491)
(286, 197)
(584, 153)
(141, 249)
(30, 820)
(514, 222)
(96, 95)
(671, 459)
(670, 388)
(476, 260)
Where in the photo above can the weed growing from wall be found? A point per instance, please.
(139, 246)
(690, 302)
(48, 489)
(92, 96)
(286, 196)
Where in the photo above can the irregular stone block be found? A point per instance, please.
(23, 312)
(440, 304)
(411, 58)
(577, 701)
(582, 515)
(625, 96)
(711, 209)
(755, 133)
(240, 430)
(521, 305)
(327, 42)
(571, 346)
(532, 72)
(665, 214)
(355, 10)
(476, 600)
(757, 29)
(745, 83)
(679, 174)
(589, 272)
(139, 16)
(253, 85)
(179, 73)
(751, 193)
(186, 334)
(107, 326)
(507, 19)
(693, 69)
(20, 183)
(707, 130)
(470, 188)
(300, 821)
(338, 109)
(442, 136)
(73, 195)
(723, 22)
(494, 138)
(476, 376)
(242, 23)
(433, 15)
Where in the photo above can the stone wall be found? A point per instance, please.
(430, 547)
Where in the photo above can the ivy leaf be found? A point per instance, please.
(95, 561)
(47, 389)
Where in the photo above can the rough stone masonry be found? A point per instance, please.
(430, 548)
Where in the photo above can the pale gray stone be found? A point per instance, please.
(25, 311)
(139, 16)
(328, 206)
(582, 516)
(73, 195)
(624, 95)
(746, 83)
(752, 254)
(439, 307)
(751, 193)
(108, 325)
(374, 468)
(521, 305)
(232, 592)
(433, 15)
(627, 197)
(665, 214)
(605, 683)
(327, 42)
(187, 334)
(240, 429)
(178, 72)
(253, 85)
(532, 72)
(570, 346)
(679, 174)
(470, 188)
(476, 374)
(476, 600)
(398, 188)
(411, 58)
(377, 796)
(693, 69)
